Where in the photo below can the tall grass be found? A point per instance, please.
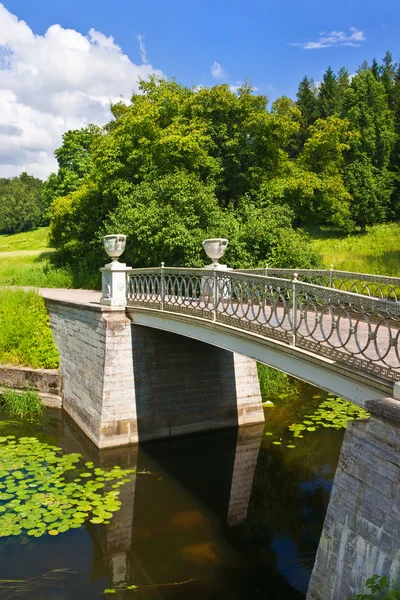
(274, 382)
(25, 334)
(36, 271)
(377, 252)
(21, 404)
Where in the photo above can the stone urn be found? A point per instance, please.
(114, 245)
(215, 248)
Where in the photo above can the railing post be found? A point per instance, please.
(162, 286)
(294, 309)
(215, 294)
(331, 276)
(266, 270)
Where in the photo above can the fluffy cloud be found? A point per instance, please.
(55, 82)
(334, 38)
(217, 71)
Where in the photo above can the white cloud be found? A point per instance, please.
(334, 38)
(217, 71)
(142, 50)
(54, 82)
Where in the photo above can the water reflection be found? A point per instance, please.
(229, 511)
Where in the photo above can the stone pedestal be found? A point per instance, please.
(113, 284)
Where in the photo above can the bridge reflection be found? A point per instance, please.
(171, 523)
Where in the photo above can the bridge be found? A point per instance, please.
(337, 330)
(168, 351)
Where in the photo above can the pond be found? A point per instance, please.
(228, 514)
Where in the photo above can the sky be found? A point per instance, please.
(62, 62)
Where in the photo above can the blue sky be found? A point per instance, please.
(250, 39)
(62, 62)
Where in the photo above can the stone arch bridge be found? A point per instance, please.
(168, 351)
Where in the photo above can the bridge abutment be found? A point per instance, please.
(126, 383)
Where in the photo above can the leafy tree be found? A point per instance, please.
(329, 95)
(177, 165)
(73, 159)
(395, 157)
(307, 102)
(388, 73)
(367, 175)
(375, 69)
(21, 206)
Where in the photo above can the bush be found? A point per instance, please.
(274, 382)
(25, 334)
(22, 404)
(378, 588)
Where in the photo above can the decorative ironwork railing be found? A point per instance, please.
(356, 329)
(377, 286)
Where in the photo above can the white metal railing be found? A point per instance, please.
(378, 286)
(353, 328)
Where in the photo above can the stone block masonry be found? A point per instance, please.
(124, 383)
(361, 534)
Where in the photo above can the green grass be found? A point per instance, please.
(25, 334)
(21, 404)
(377, 252)
(274, 382)
(37, 239)
(26, 260)
(33, 270)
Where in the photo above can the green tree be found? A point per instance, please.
(307, 102)
(177, 165)
(74, 162)
(375, 69)
(343, 81)
(367, 174)
(21, 205)
(329, 95)
(388, 74)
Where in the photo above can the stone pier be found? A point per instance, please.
(361, 534)
(124, 383)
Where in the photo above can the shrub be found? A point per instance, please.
(22, 404)
(25, 334)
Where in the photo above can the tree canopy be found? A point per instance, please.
(21, 206)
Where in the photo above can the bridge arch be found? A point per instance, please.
(320, 371)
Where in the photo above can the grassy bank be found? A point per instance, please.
(27, 260)
(25, 335)
(377, 252)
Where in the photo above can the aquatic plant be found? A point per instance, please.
(21, 404)
(44, 491)
(378, 588)
(333, 412)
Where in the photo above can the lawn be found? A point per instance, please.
(377, 252)
(37, 239)
(25, 259)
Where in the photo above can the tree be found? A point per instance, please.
(343, 81)
(329, 95)
(388, 73)
(177, 165)
(307, 102)
(366, 108)
(375, 69)
(74, 163)
(395, 157)
(21, 206)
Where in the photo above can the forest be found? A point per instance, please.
(180, 164)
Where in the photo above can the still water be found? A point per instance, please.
(222, 515)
